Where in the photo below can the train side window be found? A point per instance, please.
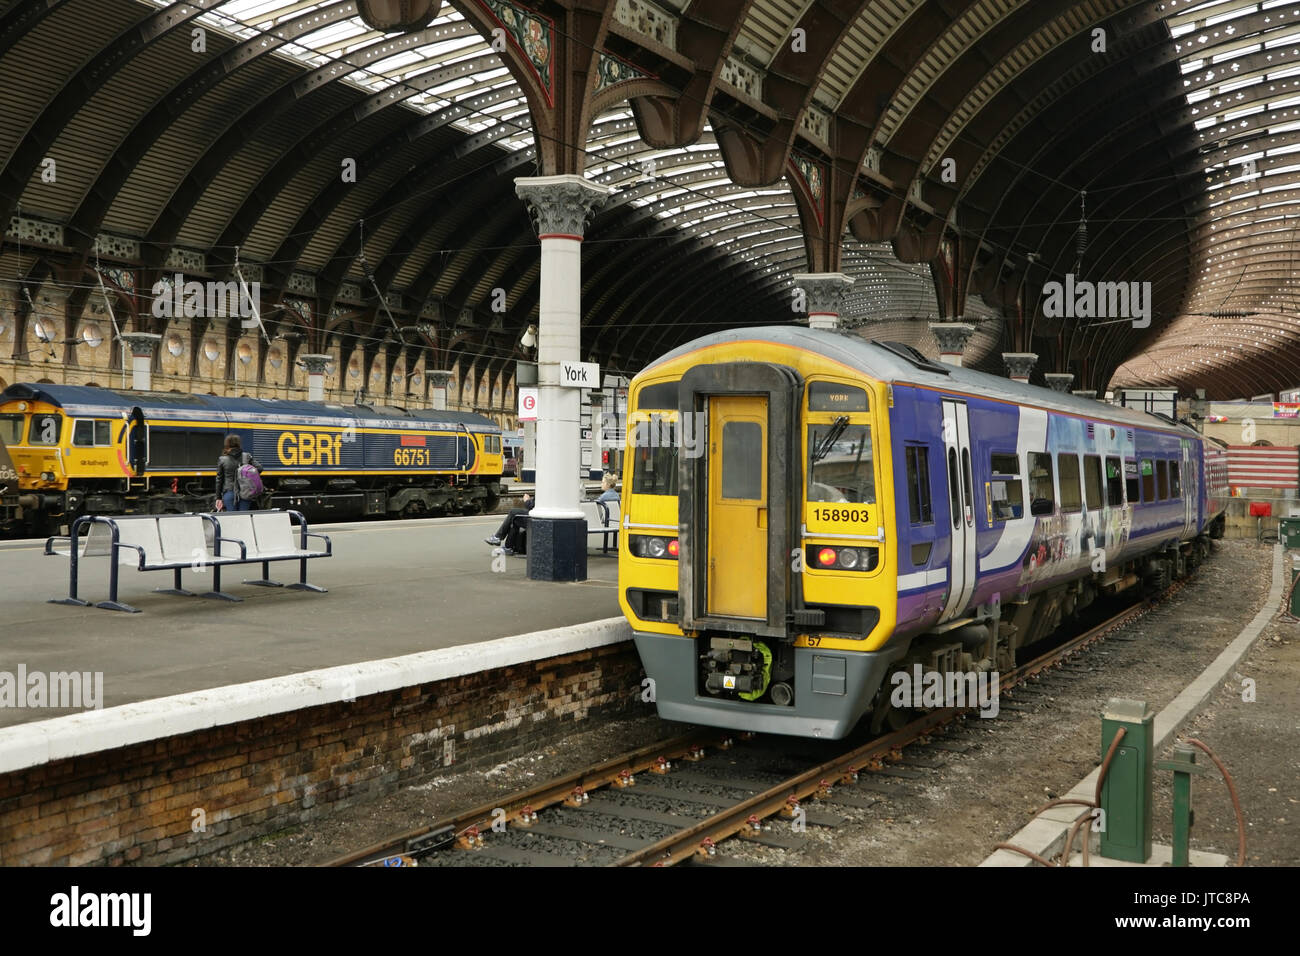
(1042, 496)
(1071, 494)
(1162, 479)
(1092, 481)
(954, 493)
(1006, 492)
(1148, 481)
(920, 509)
(1114, 483)
(1131, 486)
(967, 480)
(1175, 486)
(87, 433)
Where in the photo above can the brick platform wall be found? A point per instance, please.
(137, 804)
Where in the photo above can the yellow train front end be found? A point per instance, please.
(62, 462)
(37, 439)
(755, 565)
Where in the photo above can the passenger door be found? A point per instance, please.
(961, 503)
(1188, 489)
(736, 575)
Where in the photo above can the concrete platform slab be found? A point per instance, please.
(1161, 855)
(395, 588)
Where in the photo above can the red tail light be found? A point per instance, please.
(673, 547)
(827, 556)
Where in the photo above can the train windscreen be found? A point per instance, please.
(11, 429)
(839, 463)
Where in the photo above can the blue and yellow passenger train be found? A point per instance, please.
(807, 512)
(82, 449)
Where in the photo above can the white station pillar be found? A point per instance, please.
(824, 292)
(560, 207)
(142, 346)
(315, 365)
(438, 384)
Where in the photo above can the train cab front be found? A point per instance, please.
(753, 561)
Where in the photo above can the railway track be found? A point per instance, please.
(633, 810)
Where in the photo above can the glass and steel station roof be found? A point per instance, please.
(1179, 136)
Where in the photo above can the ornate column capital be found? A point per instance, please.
(824, 294)
(1020, 364)
(314, 363)
(1085, 393)
(1059, 381)
(560, 206)
(438, 378)
(952, 338)
(142, 344)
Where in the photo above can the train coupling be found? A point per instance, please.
(733, 666)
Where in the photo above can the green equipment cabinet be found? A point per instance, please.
(1288, 532)
(1126, 794)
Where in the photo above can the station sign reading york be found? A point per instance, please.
(580, 375)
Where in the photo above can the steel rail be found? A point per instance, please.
(702, 837)
(464, 827)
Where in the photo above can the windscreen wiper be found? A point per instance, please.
(831, 438)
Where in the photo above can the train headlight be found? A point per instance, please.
(826, 558)
(644, 546)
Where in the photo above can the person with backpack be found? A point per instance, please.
(239, 477)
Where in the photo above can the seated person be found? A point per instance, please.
(608, 492)
(512, 529)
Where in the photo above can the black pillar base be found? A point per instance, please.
(557, 549)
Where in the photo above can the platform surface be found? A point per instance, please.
(395, 588)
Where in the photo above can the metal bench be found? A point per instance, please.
(266, 536)
(176, 542)
(602, 519)
(145, 542)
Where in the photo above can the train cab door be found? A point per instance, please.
(961, 505)
(137, 441)
(737, 533)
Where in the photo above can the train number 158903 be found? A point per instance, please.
(840, 514)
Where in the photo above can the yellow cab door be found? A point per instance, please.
(737, 506)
